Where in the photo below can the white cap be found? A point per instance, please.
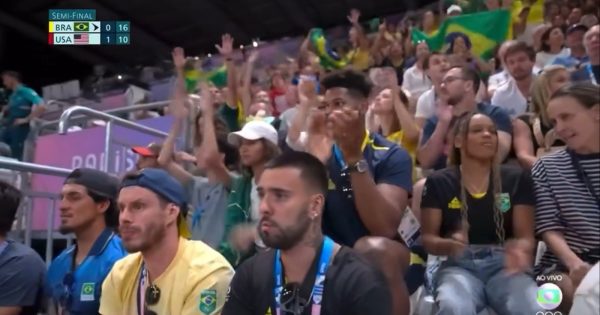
(254, 130)
(454, 8)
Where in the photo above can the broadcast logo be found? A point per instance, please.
(549, 296)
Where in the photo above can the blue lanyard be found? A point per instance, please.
(339, 157)
(588, 67)
(318, 287)
(140, 292)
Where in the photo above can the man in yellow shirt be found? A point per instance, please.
(167, 274)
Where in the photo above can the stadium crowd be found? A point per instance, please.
(419, 163)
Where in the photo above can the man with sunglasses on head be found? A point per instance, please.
(88, 209)
(306, 272)
(166, 274)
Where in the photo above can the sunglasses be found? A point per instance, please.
(152, 296)
(346, 186)
(291, 301)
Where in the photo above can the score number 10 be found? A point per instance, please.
(116, 33)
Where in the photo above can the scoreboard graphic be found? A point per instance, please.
(79, 27)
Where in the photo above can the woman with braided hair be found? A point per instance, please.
(480, 216)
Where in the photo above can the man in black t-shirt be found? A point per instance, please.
(306, 273)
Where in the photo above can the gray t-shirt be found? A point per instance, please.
(22, 274)
(209, 205)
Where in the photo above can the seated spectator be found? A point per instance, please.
(366, 172)
(533, 135)
(88, 208)
(591, 41)
(576, 61)
(500, 77)
(415, 81)
(358, 56)
(457, 96)
(514, 94)
(552, 47)
(481, 216)
(24, 105)
(436, 65)
(207, 196)
(394, 122)
(22, 270)
(567, 189)
(292, 190)
(586, 296)
(459, 53)
(257, 143)
(167, 274)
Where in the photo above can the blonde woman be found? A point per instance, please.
(533, 135)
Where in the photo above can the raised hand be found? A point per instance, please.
(319, 142)
(390, 77)
(226, 47)
(349, 132)
(253, 56)
(178, 56)
(307, 91)
(354, 16)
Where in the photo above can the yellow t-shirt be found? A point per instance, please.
(398, 138)
(195, 283)
(360, 59)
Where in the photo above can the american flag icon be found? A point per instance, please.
(81, 38)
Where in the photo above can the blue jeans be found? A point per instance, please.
(468, 284)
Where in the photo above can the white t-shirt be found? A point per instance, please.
(509, 97)
(586, 300)
(426, 104)
(542, 58)
(415, 82)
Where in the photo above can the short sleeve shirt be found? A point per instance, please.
(22, 274)
(352, 287)
(497, 114)
(194, 283)
(84, 283)
(442, 193)
(21, 101)
(388, 163)
(208, 201)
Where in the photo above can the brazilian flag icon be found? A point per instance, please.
(81, 26)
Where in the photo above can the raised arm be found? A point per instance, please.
(216, 171)
(409, 126)
(226, 50)
(246, 91)
(353, 18)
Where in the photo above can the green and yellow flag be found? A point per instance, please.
(486, 30)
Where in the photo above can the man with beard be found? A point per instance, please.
(167, 274)
(457, 92)
(514, 94)
(307, 273)
(89, 210)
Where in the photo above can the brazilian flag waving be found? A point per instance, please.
(486, 30)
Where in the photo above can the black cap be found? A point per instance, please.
(96, 181)
(577, 27)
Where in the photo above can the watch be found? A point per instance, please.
(361, 166)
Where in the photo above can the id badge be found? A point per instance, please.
(409, 228)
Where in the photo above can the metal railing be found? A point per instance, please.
(117, 111)
(65, 120)
(27, 205)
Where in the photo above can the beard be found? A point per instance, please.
(285, 238)
(144, 239)
(454, 99)
(64, 230)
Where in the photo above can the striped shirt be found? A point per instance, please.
(564, 202)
